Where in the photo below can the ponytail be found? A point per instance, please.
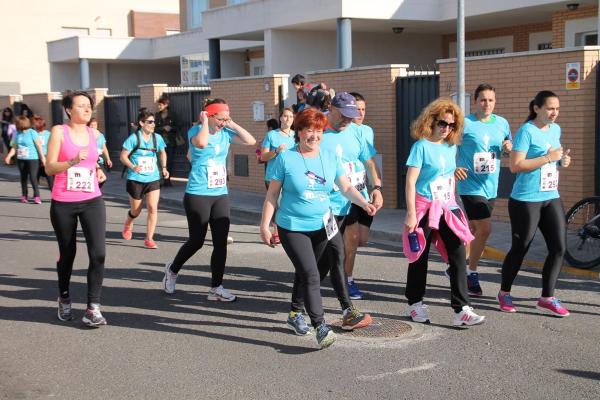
(539, 100)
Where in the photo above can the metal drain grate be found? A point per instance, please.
(379, 328)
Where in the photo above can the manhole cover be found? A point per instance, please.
(379, 328)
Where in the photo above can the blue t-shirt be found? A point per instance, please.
(367, 133)
(273, 140)
(45, 136)
(352, 150)
(436, 160)
(25, 145)
(483, 139)
(144, 156)
(535, 143)
(208, 176)
(100, 140)
(305, 199)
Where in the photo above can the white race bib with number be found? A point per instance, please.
(331, 227)
(148, 164)
(217, 176)
(484, 162)
(22, 151)
(80, 179)
(357, 178)
(549, 178)
(441, 188)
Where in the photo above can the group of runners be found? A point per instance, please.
(323, 189)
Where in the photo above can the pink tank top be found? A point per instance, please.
(79, 182)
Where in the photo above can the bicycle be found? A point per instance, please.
(583, 233)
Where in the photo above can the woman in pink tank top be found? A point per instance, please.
(73, 159)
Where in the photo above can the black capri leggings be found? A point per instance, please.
(525, 218)
(49, 178)
(92, 216)
(29, 169)
(202, 211)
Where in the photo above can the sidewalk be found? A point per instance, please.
(386, 229)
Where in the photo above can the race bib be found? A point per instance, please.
(441, 188)
(22, 151)
(148, 164)
(357, 178)
(80, 179)
(217, 176)
(331, 227)
(549, 178)
(484, 162)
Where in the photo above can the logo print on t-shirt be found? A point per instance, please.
(486, 142)
(339, 151)
(443, 164)
(217, 149)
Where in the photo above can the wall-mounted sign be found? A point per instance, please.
(258, 110)
(573, 76)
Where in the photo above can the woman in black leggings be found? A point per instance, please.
(305, 175)
(535, 201)
(206, 201)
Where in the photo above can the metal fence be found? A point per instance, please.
(120, 113)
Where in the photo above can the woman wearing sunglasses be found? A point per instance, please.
(145, 158)
(305, 175)
(206, 201)
(432, 213)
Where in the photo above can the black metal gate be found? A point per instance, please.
(57, 112)
(120, 113)
(413, 93)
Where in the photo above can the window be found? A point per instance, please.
(544, 46)
(194, 15)
(104, 32)
(194, 69)
(486, 52)
(257, 66)
(67, 31)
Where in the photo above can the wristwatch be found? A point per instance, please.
(377, 187)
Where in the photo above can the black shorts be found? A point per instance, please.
(358, 214)
(477, 207)
(137, 190)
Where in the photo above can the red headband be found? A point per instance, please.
(215, 108)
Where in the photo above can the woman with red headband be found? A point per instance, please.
(206, 201)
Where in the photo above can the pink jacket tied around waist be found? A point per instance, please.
(437, 209)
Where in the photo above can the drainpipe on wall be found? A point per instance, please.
(460, 54)
(597, 135)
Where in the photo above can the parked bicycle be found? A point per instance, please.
(583, 233)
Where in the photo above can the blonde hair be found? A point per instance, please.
(422, 127)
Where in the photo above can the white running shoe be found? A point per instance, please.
(93, 317)
(229, 240)
(169, 280)
(418, 313)
(467, 317)
(220, 294)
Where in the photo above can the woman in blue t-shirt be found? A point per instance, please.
(535, 201)
(144, 156)
(28, 148)
(304, 176)
(39, 124)
(206, 201)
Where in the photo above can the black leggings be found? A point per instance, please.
(49, 178)
(202, 211)
(92, 216)
(416, 279)
(29, 169)
(525, 218)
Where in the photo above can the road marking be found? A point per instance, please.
(403, 371)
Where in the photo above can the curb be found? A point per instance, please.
(492, 253)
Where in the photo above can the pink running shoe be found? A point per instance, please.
(37, 200)
(24, 200)
(552, 306)
(506, 303)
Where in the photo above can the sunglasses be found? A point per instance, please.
(443, 124)
(150, 122)
(316, 177)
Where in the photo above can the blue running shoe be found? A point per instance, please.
(296, 321)
(353, 291)
(325, 336)
(473, 286)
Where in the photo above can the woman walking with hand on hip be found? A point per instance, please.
(206, 201)
(535, 201)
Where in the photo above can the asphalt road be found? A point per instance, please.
(181, 346)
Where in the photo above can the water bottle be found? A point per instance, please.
(413, 241)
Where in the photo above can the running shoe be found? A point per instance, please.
(473, 286)
(353, 291)
(506, 303)
(418, 313)
(169, 280)
(447, 272)
(467, 317)
(64, 309)
(220, 294)
(325, 336)
(93, 317)
(37, 200)
(296, 321)
(127, 232)
(24, 200)
(354, 319)
(150, 244)
(229, 240)
(552, 306)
